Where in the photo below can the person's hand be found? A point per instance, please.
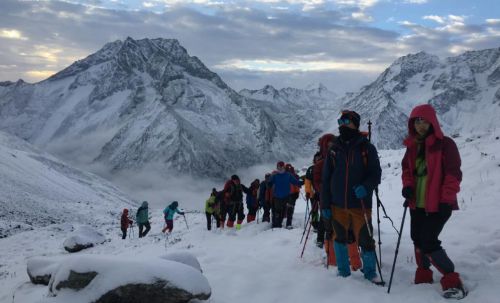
(308, 196)
(407, 192)
(360, 192)
(326, 213)
(181, 213)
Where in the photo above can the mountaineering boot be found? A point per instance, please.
(453, 287)
(354, 256)
(369, 267)
(342, 257)
(238, 226)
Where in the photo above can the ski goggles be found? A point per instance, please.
(343, 121)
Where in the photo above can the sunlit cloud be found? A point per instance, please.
(361, 16)
(37, 75)
(295, 66)
(493, 21)
(11, 34)
(357, 3)
(435, 18)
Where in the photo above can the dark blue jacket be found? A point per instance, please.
(262, 193)
(281, 184)
(344, 168)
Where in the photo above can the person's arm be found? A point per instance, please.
(326, 175)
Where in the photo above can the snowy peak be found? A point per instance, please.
(461, 89)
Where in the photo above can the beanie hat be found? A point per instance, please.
(280, 164)
(351, 115)
(235, 177)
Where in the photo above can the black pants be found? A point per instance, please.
(267, 208)
(278, 210)
(124, 233)
(290, 208)
(426, 227)
(141, 226)
(236, 208)
(209, 220)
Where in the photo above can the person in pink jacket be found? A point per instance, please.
(431, 180)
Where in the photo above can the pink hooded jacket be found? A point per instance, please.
(442, 160)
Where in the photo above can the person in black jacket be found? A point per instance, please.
(351, 172)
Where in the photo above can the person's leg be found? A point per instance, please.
(362, 233)
(341, 222)
(423, 273)
(124, 233)
(148, 228)
(290, 209)
(141, 226)
(209, 220)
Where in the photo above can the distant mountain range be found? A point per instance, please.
(147, 104)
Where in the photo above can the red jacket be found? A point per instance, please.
(318, 166)
(442, 160)
(125, 221)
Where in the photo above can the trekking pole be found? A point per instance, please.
(185, 221)
(307, 211)
(378, 228)
(305, 242)
(305, 226)
(397, 245)
(371, 236)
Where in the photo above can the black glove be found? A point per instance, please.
(181, 213)
(407, 192)
(445, 209)
(308, 196)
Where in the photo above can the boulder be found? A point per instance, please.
(110, 279)
(40, 269)
(83, 238)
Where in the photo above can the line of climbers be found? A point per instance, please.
(276, 195)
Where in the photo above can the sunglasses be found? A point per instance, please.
(344, 121)
(420, 120)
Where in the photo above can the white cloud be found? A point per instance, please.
(416, 1)
(270, 65)
(361, 16)
(435, 18)
(357, 3)
(493, 21)
(11, 34)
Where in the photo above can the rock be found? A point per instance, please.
(83, 238)
(184, 258)
(107, 279)
(40, 269)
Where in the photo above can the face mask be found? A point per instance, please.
(347, 133)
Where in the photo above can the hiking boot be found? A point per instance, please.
(319, 244)
(238, 226)
(377, 281)
(455, 293)
(289, 227)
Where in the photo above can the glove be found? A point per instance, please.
(407, 192)
(360, 191)
(327, 224)
(445, 209)
(308, 196)
(181, 213)
(326, 213)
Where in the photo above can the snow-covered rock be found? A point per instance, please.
(41, 269)
(83, 238)
(106, 279)
(183, 257)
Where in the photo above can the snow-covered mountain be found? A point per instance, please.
(465, 90)
(38, 190)
(147, 103)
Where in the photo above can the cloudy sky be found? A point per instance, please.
(341, 43)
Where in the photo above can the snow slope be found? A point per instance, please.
(257, 264)
(37, 190)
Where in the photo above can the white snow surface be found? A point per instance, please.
(259, 264)
(184, 258)
(113, 272)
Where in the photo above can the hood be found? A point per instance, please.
(427, 112)
(125, 211)
(323, 143)
(174, 205)
(144, 204)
